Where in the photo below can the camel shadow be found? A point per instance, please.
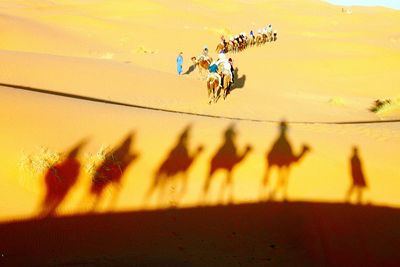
(359, 183)
(111, 171)
(173, 170)
(282, 157)
(59, 180)
(225, 159)
(190, 69)
(239, 82)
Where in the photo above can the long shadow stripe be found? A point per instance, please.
(111, 102)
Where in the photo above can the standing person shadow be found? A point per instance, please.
(111, 171)
(281, 155)
(359, 183)
(59, 180)
(190, 69)
(226, 158)
(175, 165)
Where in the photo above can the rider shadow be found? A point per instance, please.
(282, 157)
(174, 169)
(226, 159)
(111, 171)
(190, 69)
(359, 183)
(239, 82)
(59, 180)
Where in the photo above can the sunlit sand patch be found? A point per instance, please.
(221, 31)
(337, 101)
(395, 39)
(145, 51)
(309, 34)
(108, 55)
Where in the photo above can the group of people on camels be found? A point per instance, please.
(221, 72)
(241, 41)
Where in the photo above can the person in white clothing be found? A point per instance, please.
(226, 66)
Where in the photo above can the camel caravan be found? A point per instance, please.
(241, 41)
(220, 73)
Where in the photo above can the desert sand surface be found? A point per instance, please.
(314, 234)
(81, 81)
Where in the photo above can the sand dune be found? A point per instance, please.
(117, 101)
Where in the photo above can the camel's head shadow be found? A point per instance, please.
(306, 148)
(248, 148)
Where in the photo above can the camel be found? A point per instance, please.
(226, 158)
(222, 47)
(265, 38)
(212, 87)
(231, 46)
(111, 170)
(259, 40)
(59, 180)
(202, 64)
(251, 41)
(282, 157)
(242, 44)
(177, 163)
(275, 36)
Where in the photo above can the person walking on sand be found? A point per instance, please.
(179, 62)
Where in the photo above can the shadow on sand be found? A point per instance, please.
(111, 171)
(359, 183)
(266, 234)
(190, 69)
(239, 82)
(59, 180)
(175, 167)
(282, 157)
(225, 159)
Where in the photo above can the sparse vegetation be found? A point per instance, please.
(379, 105)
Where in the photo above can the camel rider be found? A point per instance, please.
(204, 54)
(269, 29)
(226, 66)
(232, 69)
(223, 40)
(213, 69)
(265, 31)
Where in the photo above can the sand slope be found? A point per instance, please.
(325, 67)
(271, 234)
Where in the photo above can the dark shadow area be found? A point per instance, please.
(239, 82)
(226, 159)
(266, 234)
(59, 180)
(111, 171)
(175, 167)
(190, 69)
(282, 157)
(359, 183)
